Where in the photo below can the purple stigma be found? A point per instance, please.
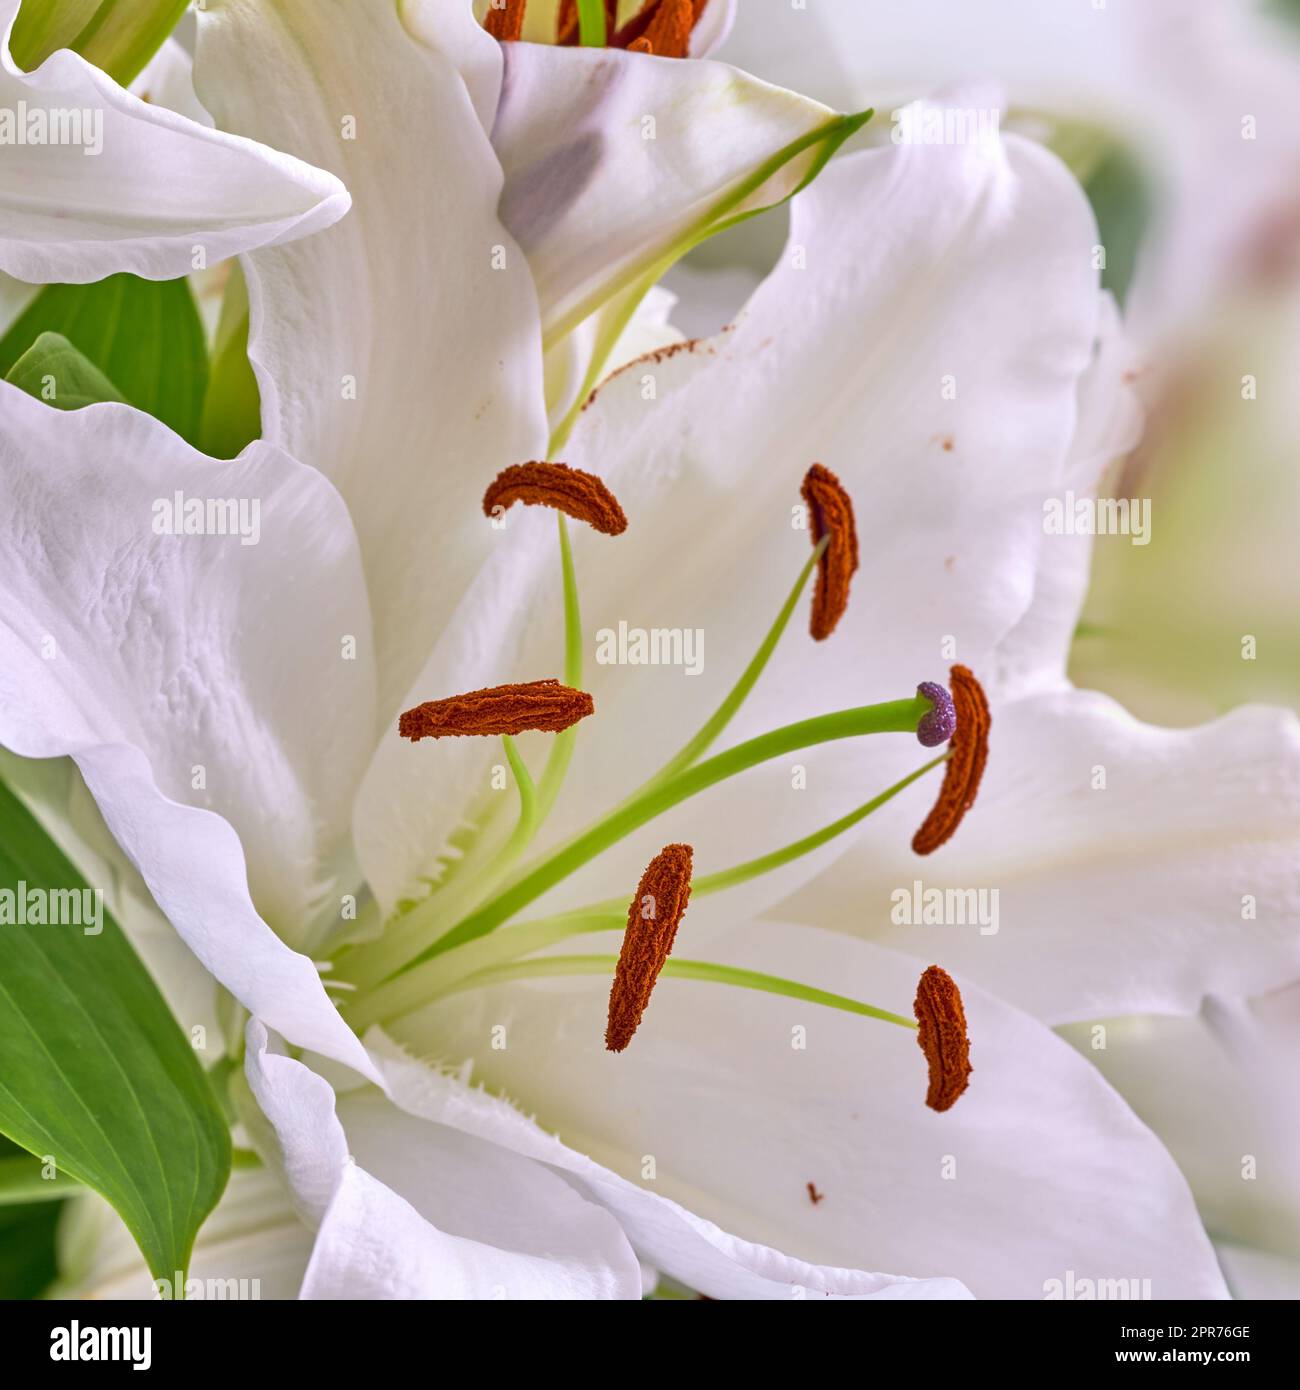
(940, 723)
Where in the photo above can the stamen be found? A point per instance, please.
(652, 921)
(663, 27)
(961, 777)
(832, 515)
(942, 1037)
(577, 494)
(545, 706)
(568, 30)
(939, 725)
(505, 21)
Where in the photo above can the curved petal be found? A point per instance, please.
(665, 1233)
(399, 353)
(1220, 1090)
(132, 186)
(1137, 868)
(422, 1211)
(583, 133)
(177, 670)
(949, 424)
(1040, 1169)
(1034, 653)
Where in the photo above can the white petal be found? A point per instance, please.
(198, 681)
(579, 155)
(1220, 1091)
(743, 1099)
(399, 353)
(665, 1233)
(144, 188)
(1034, 654)
(422, 1211)
(1128, 897)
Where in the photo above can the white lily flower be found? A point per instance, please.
(94, 180)
(229, 706)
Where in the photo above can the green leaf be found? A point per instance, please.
(54, 371)
(97, 1075)
(143, 335)
(119, 36)
(232, 407)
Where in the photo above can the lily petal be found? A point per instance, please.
(792, 1095)
(666, 1235)
(155, 188)
(195, 679)
(364, 340)
(582, 133)
(423, 1211)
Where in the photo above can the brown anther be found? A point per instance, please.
(505, 21)
(546, 706)
(942, 1037)
(968, 752)
(577, 494)
(652, 920)
(832, 515)
(663, 27)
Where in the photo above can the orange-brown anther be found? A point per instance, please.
(652, 921)
(832, 515)
(942, 1037)
(569, 490)
(505, 21)
(546, 706)
(969, 751)
(663, 27)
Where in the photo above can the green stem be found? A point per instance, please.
(591, 23)
(557, 764)
(707, 971)
(723, 715)
(441, 975)
(742, 873)
(893, 716)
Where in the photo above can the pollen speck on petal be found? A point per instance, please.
(652, 920)
(965, 765)
(831, 510)
(942, 1037)
(545, 706)
(577, 494)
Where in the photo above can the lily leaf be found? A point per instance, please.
(54, 371)
(143, 335)
(97, 1076)
(118, 36)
